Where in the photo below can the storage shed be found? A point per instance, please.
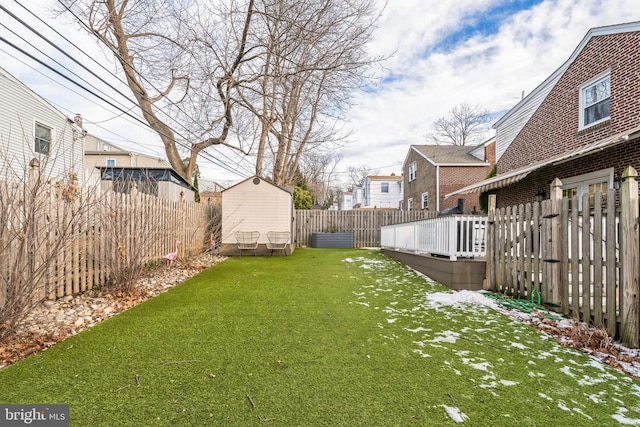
(257, 205)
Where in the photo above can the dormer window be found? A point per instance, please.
(595, 101)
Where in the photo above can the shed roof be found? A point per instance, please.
(286, 189)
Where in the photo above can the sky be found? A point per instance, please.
(440, 54)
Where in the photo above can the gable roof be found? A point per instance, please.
(260, 180)
(447, 155)
(519, 115)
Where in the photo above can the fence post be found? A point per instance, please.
(489, 281)
(556, 242)
(629, 262)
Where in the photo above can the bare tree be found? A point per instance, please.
(181, 73)
(191, 65)
(319, 171)
(314, 58)
(464, 125)
(357, 174)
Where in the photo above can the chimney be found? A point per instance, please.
(461, 205)
(78, 120)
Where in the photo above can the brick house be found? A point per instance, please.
(582, 124)
(432, 171)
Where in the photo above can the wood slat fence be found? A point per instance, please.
(365, 224)
(60, 239)
(580, 254)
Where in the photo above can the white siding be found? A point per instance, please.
(20, 108)
(346, 201)
(508, 127)
(373, 197)
(249, 207)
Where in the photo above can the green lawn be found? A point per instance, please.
(324, 337)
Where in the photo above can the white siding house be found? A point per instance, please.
(345, 203)
(356, 197)
(255, 205)
(382, 192)
(31, 128)
(100, 153)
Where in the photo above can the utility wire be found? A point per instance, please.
(204, 154)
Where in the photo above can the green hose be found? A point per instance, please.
(523, 305)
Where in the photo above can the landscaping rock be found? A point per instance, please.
(53, 321)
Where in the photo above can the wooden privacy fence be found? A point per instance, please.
(61, 239)
(365, 224)
(581, 254)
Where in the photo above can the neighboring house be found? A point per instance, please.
(118, 169)
(31, 128)
(433, 171)
(356, 197)
(382, 192)
(582, 124)
(210, 192)
(164, 183)
(345, 201)
(100, 153)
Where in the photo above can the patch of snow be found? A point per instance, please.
(446, 336)
(418, 329)
(631, 368)
(518, 345)
(458, 298)
(544, 396)
(421, 353)
(567, 370)
(391, 320)
(481, 366)
(455, 414)
(593, 397)
(508, 383)
(622, 419)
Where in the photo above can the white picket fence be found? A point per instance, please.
(451, 236)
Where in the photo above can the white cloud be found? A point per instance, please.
(491, 71)
(424, 78)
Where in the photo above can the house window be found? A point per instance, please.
(42, 138)
(105, 147)
(412, 171)
(595, 101)
(410, 204)
(425, 200)
(384, 187)
(111, 163)
(590, 183)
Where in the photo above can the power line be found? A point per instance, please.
(203, 154)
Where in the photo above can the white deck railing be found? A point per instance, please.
(452, 236)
